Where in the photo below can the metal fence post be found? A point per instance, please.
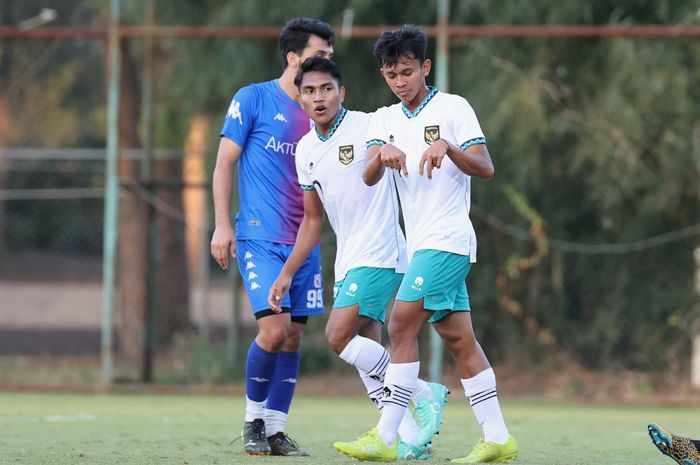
(111, 196)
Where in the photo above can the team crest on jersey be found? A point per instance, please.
(346, 154)
(431, 134)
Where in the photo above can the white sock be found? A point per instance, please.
(254, 410)
(368, 356)
(399, 384)
(482, 395)
(275, 422)
(374, 388)
(408, 428)
(422, 391)
(372, 359)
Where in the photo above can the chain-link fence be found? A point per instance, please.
(52, 209)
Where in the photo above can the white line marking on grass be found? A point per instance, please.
(78, 417)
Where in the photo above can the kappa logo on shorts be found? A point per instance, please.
(254, 286)
(252, 275)
(352, 289)
(248, 256)
(346, 154)
(249, 265)
(431, 134)
(417, 283)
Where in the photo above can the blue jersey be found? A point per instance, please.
(267, 124)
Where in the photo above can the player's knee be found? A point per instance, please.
(274, 338)
(400, 332)
(337, 340)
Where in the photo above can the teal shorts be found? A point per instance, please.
(438, 277)
(370, 288)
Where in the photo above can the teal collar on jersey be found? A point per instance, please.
(338, 120)
(412, 114)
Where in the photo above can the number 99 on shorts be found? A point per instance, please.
(314, 298)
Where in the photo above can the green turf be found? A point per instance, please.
(169, 429)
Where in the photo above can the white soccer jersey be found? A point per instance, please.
(436, 212)
(365, 219)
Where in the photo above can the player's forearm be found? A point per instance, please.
(374, 170)
(307, 238)
(475, 162)
(222, 185)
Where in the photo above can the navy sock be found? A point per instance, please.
(259, 372)
(283, 382)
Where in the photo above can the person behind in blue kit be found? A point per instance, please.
(262, 126)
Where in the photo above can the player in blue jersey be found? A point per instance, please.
(263, 124)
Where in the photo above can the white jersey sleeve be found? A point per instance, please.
(465, 125)
(376, 130)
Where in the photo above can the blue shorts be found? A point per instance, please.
(260, 262)
(438, 278)
(369, 288)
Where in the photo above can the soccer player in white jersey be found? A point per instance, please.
(371, 249)
(433, 144)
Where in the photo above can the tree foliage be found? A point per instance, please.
(595, 141)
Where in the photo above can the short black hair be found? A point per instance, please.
(295, 35)
(320, 64)
(409, 41)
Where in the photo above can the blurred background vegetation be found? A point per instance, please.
(587, 233)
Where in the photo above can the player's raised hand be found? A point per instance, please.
(223, 242)
(277, 291)
(432, 157)
(393, 158)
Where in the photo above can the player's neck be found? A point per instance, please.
(324, 129)
(286, 81)
(413, 104)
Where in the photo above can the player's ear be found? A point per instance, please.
(427, 66)
(293, 60)
(342, 93)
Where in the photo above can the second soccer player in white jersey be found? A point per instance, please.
(371, 249)
(433, 145)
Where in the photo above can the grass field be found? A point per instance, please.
(177, 429)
